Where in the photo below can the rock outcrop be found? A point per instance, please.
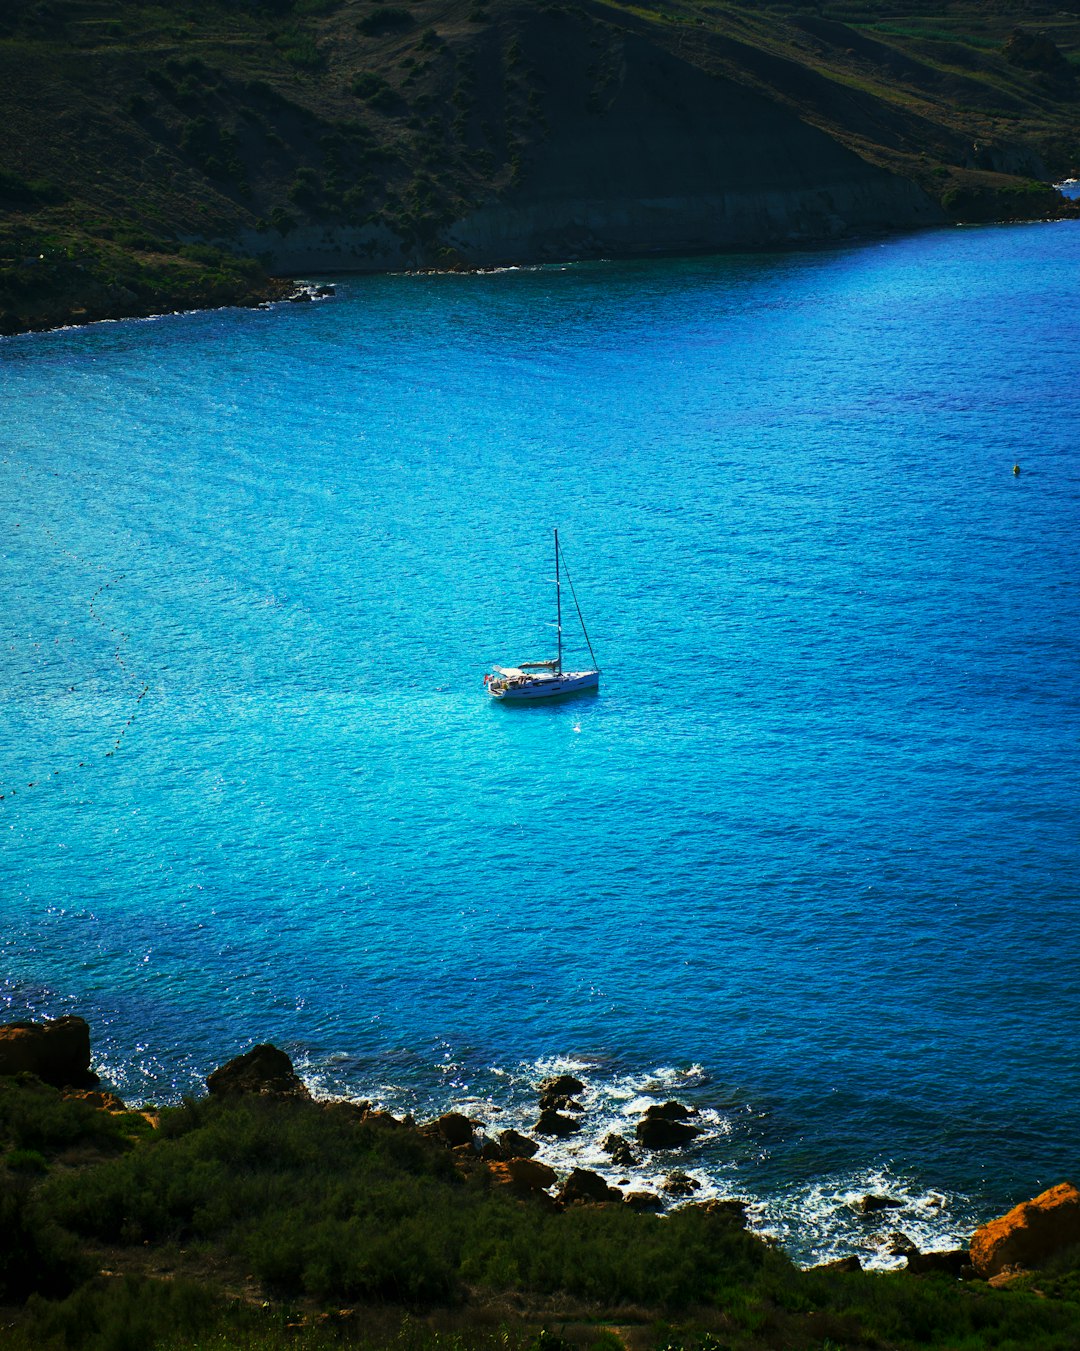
(523, 1177)
(665, 1126)
(263, 1071)
(586, 1187)
(516, 1145)
(58, 1052)
(551, 1122)
(453, 1127)
(1029, 1234)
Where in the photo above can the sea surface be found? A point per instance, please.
(809, 860)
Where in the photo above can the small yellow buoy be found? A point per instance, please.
(1016, 469)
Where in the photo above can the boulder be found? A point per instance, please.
(1030, 1233)
(586, 1186)
(840, 1264)
(523, 1177)
(564, 1085)
(454, 1128)
(554, 1123)
(517, 1146)
(680, 1184)
(619, 1149)
(58, 1052)
(669, 1111)
(658, 1132)
(643, 1201)
(955, 1262)
(559, 1102)
(264, 1071)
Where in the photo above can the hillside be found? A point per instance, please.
(155, 157)
(256, 1218)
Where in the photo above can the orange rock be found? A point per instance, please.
(523, 1176)
(99, 1098)
(1030, 1233)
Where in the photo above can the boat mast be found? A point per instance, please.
(558, 601)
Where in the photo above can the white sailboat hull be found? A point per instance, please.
(547, 685)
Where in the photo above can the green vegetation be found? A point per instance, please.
(131, 128)
(256, 1223)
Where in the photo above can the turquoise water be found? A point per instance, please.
(810, 857)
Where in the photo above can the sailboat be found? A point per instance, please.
(545, 679)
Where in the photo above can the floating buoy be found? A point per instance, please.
(1016, 469)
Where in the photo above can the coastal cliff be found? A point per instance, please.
(256, 1212)
(149, 161)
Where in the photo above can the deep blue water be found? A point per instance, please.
(809, 859)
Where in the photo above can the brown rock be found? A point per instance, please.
(553, 1123)
(586, 1186)
(564, 1085)
(454, 1128)
(524, 1177)
(58, 1052)
(95, 1097)
(1030, 1233)
(264, 1071)
(517, 1146)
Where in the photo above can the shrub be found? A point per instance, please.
(385, 19)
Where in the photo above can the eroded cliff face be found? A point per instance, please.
(632, 151)
(672, 158)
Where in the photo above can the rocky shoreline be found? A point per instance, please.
(1003, 1252)
(60, 296)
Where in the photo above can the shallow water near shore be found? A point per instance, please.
(808, 861)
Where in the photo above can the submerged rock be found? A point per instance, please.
(263, 1071)
(872, 1205)
(58, 1052)
(1030, 1233)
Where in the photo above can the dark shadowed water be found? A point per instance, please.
(810, 858)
